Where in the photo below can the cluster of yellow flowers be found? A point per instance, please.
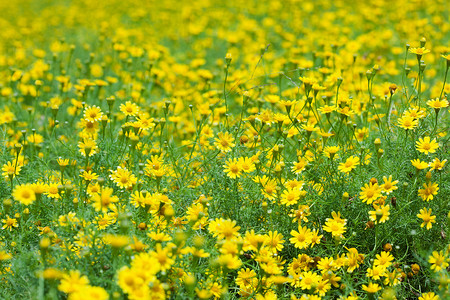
(224, 149)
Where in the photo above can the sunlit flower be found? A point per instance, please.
(224, 141)
(426, 145)
(93, 114)
(370, 192)
(429, 190)
(24, 193)
(389, 186)
(408, 123)
(129, 108)
(418, 164)
(10, 223)
(437, 164)
(351, 163)
(233, 168)
(427, 218)
(438, 261)
(380, 214)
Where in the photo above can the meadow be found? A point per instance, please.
(224, 149)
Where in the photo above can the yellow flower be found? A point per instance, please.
(407, 122)
(246, 278)
(330, 151)
(224, 142)
(63, 162)
(104, 221)
(24, 193)
(335, 225)
(53, 191)
(349, 164)
(389, 186)
(371, 288)
(89, 175)
(224, 229)
(51, 274)
(129, 108)
(73, 282)
(104, 200)
(383, 259)
(88, 293)
(429, 296)
(437, 104)
(326, 264)
(337, 229)
(247, 164)
(437, 164)
(427, 218)
(123, 178)
(429, 191)
(370, 192)
(309, 127)
(426, 146)
(274, 241)
(419, 51)
(376, 272)
(309, 279)
(116, 241)
(4, 256)
(299, 166)
(447, 57)
(88, 147)
(128, 279)
(229, 261)
(438, 261)
(307, 81)
(346, 111)
(10, 223)
(327, 110)
(418, 164)
(361, 134)
(301, 238)
(290, 196)
(163, 256)
(93, 113)
(233, 168)
(354, 259)
(11, 169)
(380, 214)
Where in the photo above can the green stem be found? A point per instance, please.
(443, 86)
(225, 94)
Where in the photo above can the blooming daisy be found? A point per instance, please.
(438, 261)
(93, 114)
(24, 193)
(233, 168)
(370, 192)
(426, 145)
(349, 164)
(427, 218)
(389, 186)
(429, 191)
(224, 142)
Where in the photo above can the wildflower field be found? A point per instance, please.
(230, 149)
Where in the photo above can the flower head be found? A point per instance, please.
(429, 191)
(427, 218)
(24, 193)
(233, 168)
(438, 261)
(426, 145)
(224, 142)
(349, 164)
(93, 114)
